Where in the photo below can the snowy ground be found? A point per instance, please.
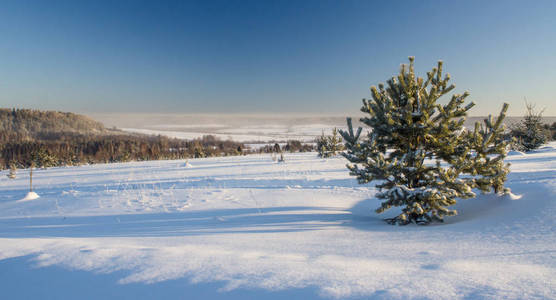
(250, 228)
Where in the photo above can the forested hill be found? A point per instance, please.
(27, 124)
(50, 138)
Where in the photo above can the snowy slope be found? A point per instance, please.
(253, 228)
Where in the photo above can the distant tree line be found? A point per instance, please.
(290, 146)
(88, 149)
(48, 139)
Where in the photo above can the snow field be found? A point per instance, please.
(250, 223)
(244, 133)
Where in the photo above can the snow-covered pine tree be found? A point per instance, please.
(329, 146)
(334, 143)
(418, 149)
(530, 134)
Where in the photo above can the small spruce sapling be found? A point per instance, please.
(329, 146)
(418, 149)
(530, 134)
(321, 145)
(335, 145)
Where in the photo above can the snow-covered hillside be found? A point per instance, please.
(250, 228)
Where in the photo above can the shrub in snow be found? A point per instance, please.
(276, 149)
(529, 134)
(418, 149)
(12, 174)
(329, 146)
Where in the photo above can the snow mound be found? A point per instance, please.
(30, 196)
(513, 196)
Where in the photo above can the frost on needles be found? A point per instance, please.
(419, 151)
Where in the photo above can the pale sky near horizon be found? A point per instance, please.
(268, 56)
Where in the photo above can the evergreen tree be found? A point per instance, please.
(43, 159)
(334, 143)
(418, 149)
(329, 146)
(530, 133)
(322, 144)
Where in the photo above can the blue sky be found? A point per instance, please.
(268, 56)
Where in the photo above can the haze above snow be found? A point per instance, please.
(249, 128)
